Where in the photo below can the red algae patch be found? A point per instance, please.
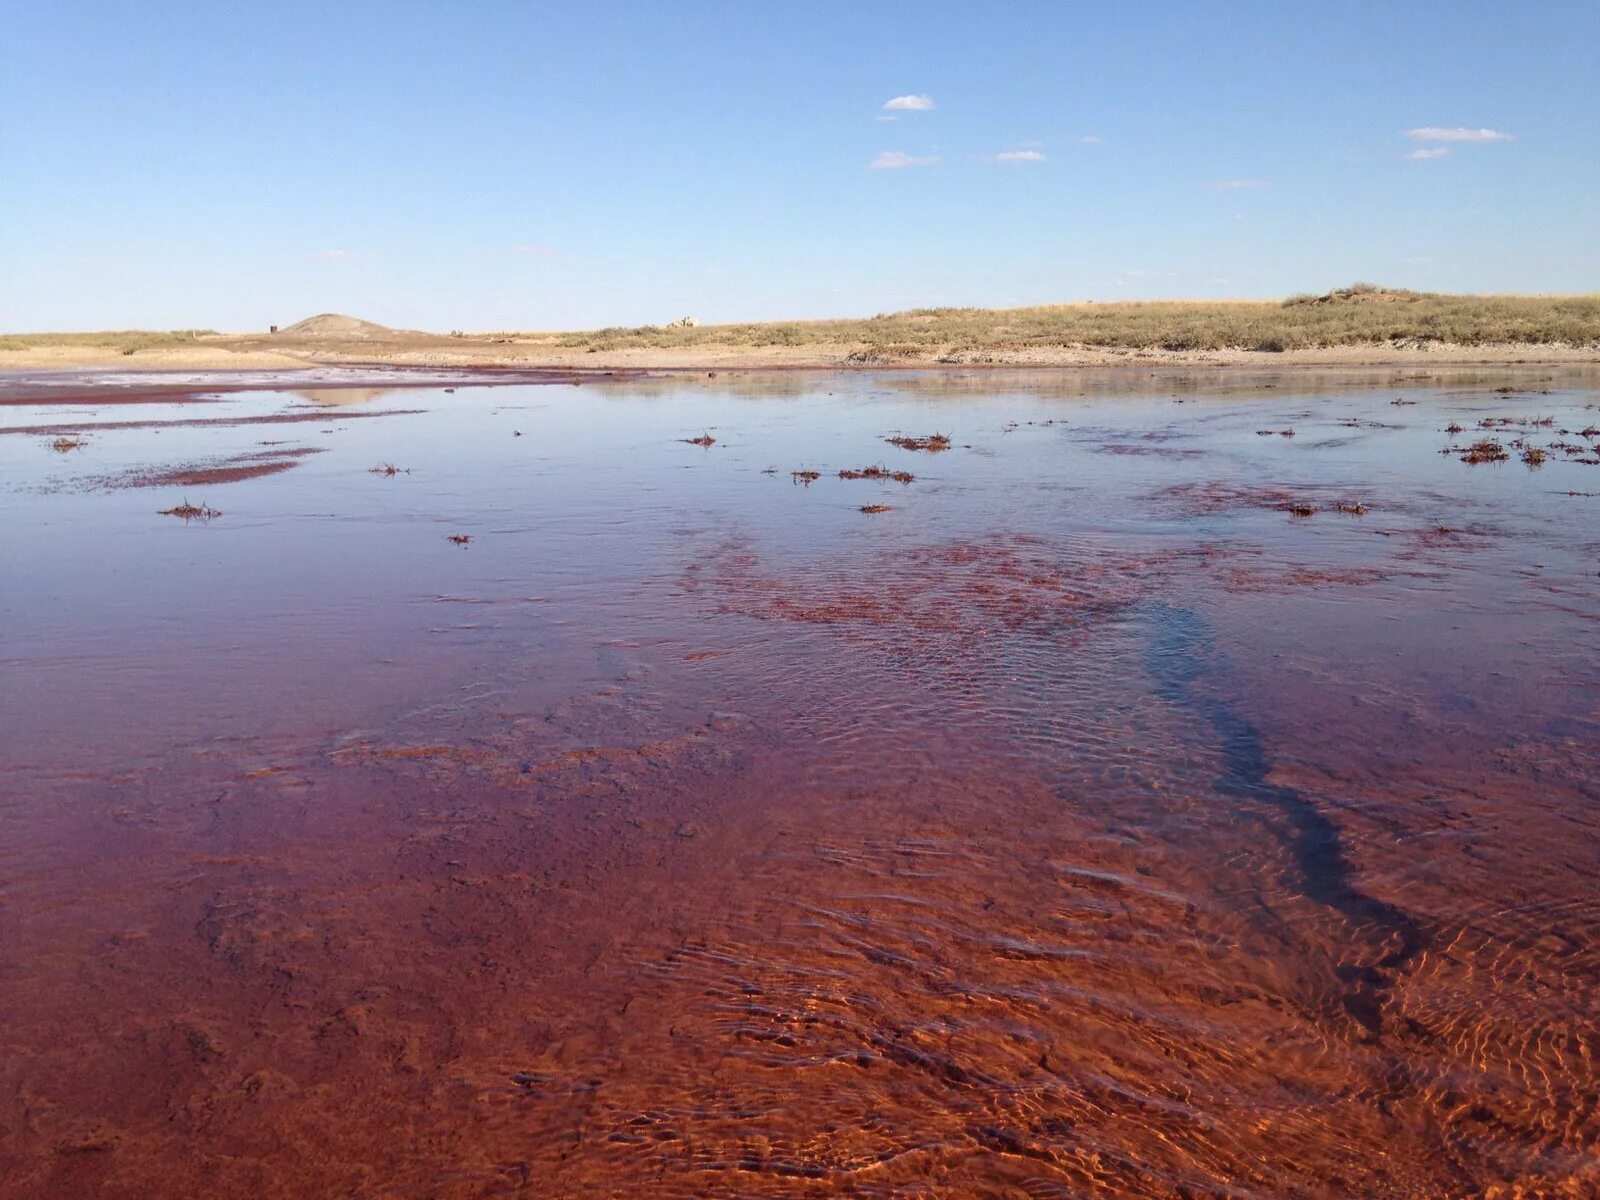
(1204, 498)
(705, 439)
(876, 508)
(963, 589)
(231, 470)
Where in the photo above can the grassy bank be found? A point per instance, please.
(1351, 325)
(126, 341)
(1358, 316)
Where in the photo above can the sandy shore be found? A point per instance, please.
(427, 350)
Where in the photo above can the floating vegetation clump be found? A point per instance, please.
(933, 443)
(1484, 450)
(191, 512)
(879, 472)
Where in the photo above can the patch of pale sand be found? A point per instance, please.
(428, 350)
(712, 357)
(166, 358)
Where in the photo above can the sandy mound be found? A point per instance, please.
(335, 325)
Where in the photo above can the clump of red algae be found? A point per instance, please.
(67, 442)
(805, 477)
(1299, 508)
(1533, 456)
(1483, 451)
(460, 539)
(387, 468)
(1354, 507)
(879, 472)
(1204, 499)
(191, 512)
(1452, 428)
(876, 508)
(933, 443)
(705, 439)
(963, 589)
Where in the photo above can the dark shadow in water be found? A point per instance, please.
(1175, 659)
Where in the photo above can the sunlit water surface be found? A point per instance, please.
(1094, 820)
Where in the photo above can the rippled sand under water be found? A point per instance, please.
(1143, 805)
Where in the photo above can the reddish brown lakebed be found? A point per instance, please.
(1137, 805)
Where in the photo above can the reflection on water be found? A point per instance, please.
(342, 397)
(1142, 806)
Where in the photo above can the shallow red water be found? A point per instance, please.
(1088, 823)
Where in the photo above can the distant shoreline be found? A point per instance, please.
(1361, 325)
(218, 355)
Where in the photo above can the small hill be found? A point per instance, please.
(335, 325)
(1358, 293)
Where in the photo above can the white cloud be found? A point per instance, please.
(334, 255)
(1089, 139)
(540, 250)
(1436, 133)
(893, 160)
(919, 103)
(1234, 184)
(885, 117)
(1429, 152)
(1019, 156)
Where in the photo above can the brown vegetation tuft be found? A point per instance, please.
(878, 472)
(1483, 451)
(933, 443)
(191, 512)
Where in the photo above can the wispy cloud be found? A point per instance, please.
(1458, 133)
(894, 160)
(534, 249)
(916, 103)
(1019, 156)
(1429, 152)
(1089, 139)
(334, 255)
(1229, 185)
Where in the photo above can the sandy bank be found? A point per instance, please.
(425, 350)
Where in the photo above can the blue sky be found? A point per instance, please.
(530, 165)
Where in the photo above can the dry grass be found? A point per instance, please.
(1357, 316)
(128, 341)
